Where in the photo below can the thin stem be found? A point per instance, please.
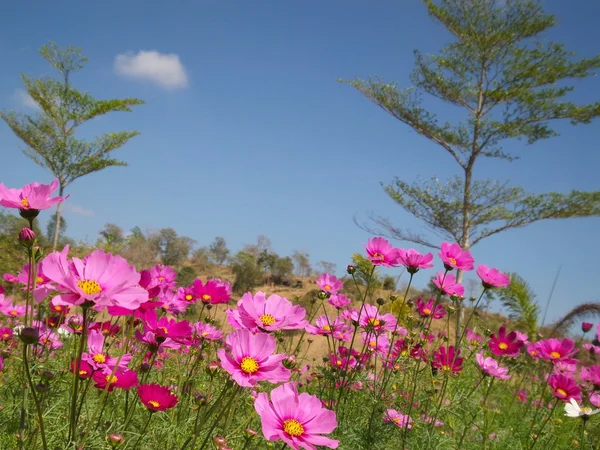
(73, 412)
(143, 431)
(38, 405)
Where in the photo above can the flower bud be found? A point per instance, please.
(250, 433)
(350, 269)
(586, 326)
(472, 299)
(42, 388)
(26, 236)
(380, 301)
(200, 398)
(29, 214)
(115, 439)
(219, 441)
(29, 335)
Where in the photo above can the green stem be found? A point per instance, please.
(143, 431)
(38, 405)
(73, 412)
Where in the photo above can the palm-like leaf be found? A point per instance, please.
(519, 299)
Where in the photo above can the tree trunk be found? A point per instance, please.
(464, 243)
(57, 229)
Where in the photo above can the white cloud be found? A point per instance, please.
(25, 99)
(78, 209)
(163, 69)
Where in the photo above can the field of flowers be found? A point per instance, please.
(96, 355)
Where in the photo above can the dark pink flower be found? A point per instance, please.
(449, 361)
(164, 328)
(299, 420)
(505, 344)
(381, 253)
(428, 309)
(214, 292)
(455, 257)
(491, 277)
(122, 379)
(371, 320)
(446, 282)
(329, 283)
(555, 350)
(564, 388)
(413, 260)
(156, 397)
(586, 326)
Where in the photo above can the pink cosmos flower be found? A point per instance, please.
(448, 285)
(533, 350)
(6, 334)
(207, 331)
(522, 395)
(491, 277)
(258, 313)
(594, 399)
(413, 260)
(162, 277)
(564, 368)
(251, 359)
(594, 349)
(187, 294)
(329, 283)
(370, 319)
(586, 326)
(329, 327)
(376, 343)
(564, 388)
(164, 328)
(428, 309)
(381, 253)
(299, 420)
(473, 338)
(398, 419)
(555, 350)
(428, 419)
(505, 344)
(156, 397)
(454, 257)
(101, 278)
(591, 374)
(523, 337)
(489, 366)
(339, 301)
(122, 379)
(32, 197)
(448, 361)
(12, 310)
(214, 292)
(98, 359)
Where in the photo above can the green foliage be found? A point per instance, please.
(247, 272)
(49, 136)
(389, 283)
(282, 270)
(302, 263)
(218, 250)
(519, 299)
(173, 249)
(186, 276)
(510, 83)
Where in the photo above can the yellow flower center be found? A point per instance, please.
(586, 410)
(58, 308)
(82, 372)
(249, 365)
(396, 420)
(326, 328)
(161, 278)
(89, 287)
(562, 392)
(267, 319)
(189, 297)
(452, 261)
(6, 335)
(339, 362)
(446, 368)
(502, 345)
(206, 297)
(153, 403)
(25, 202)
(555, 355)
(327, 287)
(293, 428)
(39, 279)
(404, 352)
(99, 358)
(204, 333)
(164, 330)
(375, 322)
(13, 313)
(378, 256)
(474, 341)
(373, 344)
(111, 379)
(426, 311)
(533, 353)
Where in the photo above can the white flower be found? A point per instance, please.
(572, 409)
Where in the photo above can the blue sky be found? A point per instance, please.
(246, 131)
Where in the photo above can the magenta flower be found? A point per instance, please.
(299, 420)
(207, 331)
(376, 343)
(533, 350)
(555, 350)
(591, 374)
(489, 366)
(505, 344)
(329, 327)
(339, 301)
(428, 309)
(473, 338)
(448, 285)
(32, 197)
(586, 326)
(251, 359)
(381, 253)
(12, 310)
(329, 283)
(98, 359)
(398, 419)
(122, 379)
(164, 328)
(162, 277)
(371, 320)
(491, 277)
(413, 260)
(214, 291)
(455, 257)
(448, 361)
(564, 388)
(258, 313)
(101, 278)
(156, 397)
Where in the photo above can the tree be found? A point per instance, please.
(173, 249)
(509, 83)
(302, 263)
(326, 267)
(112, 238)
(519, 299)
(247, 273)
(218, 250)
(49, 135)
(282, 270)
(51, 227)
(142, 251)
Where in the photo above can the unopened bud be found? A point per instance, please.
(29, 335)
(250, 433)
(380, 301)
(219, 440)
(115, 439)
(350, 269)
(26, 236)
(586, 326)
